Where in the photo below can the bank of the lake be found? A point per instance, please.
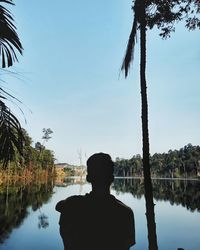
(26, 176)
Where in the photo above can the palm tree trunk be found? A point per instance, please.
(151, 225)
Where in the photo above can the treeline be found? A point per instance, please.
(35, 160)
(184, 162)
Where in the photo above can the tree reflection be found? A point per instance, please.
(43, 221)
(179, 192)
(15, 201)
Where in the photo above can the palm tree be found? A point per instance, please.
(147, 14)
(140, 22)
(11, 136)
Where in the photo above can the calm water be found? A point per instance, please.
(28, 220)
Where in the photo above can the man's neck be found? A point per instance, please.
(100, 191)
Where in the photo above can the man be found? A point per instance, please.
(96, 221)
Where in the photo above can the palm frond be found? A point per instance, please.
(11, 135)
(7, 1)
(9, 40)
(8, 94)
(128, 58)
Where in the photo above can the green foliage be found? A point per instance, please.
(47, 133)
(70, 171)
(38, 146)
(11, 135)
(11, 138)
(15, 144)
(164, 15)
(33, 158)
(176, 163)
(9, 40)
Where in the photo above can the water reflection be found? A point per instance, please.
(15, 201)
(179, 192)
(43, 221)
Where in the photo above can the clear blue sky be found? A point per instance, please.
(69, 76)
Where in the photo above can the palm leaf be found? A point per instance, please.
(11, 135)
(8, 94)
(128, 58)
(7, 1)
(9, 40)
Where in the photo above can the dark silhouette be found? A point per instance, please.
(139, 9)
(11, 137)
(97, 220)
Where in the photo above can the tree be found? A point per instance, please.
(11, 135)
(139, 9)
(39, 147)
(45, 156)
(47, 132)
(147, 14)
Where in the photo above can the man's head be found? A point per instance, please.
(100, 169)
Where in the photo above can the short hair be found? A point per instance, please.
(100, 168)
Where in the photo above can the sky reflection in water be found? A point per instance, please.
(178, 225)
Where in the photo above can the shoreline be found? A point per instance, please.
(159, 178)
(44, 176)
(138, 177)
(25, 177)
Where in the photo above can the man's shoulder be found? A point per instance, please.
(124, 208)
(69, 202)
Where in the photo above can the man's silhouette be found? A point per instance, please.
(96, 221)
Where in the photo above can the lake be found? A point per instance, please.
(28, 220)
